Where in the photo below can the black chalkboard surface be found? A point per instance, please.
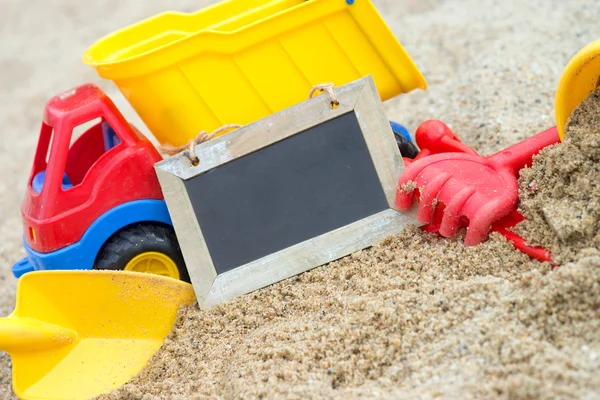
(285, 194)
(300, 188)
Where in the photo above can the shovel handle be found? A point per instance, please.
(521, 154)
(27, 334)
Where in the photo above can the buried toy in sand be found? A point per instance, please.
(456, 188)
(77, 334)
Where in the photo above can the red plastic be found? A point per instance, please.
(474, 191)
(503, 227)
(434, 137)
(102, 179)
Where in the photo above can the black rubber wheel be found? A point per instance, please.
(407, 148)
(137, 239)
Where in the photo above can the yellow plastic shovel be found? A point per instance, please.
(580, 78)
(79, 334)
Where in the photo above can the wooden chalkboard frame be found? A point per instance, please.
(360, 97)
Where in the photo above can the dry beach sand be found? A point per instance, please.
(560, 194)
(416, 316)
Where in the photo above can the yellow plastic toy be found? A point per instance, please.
(79, 334)
(580, 78)
(241, 60)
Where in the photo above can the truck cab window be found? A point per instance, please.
(87, 143)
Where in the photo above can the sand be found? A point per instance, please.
(400, 320)
(464, 322)
(560, 193)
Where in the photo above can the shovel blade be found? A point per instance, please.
(91, 368)
(580, 78)
(119, 319)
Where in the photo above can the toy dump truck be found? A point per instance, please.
(96, 203)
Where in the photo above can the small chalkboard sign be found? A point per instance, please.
(288, 193)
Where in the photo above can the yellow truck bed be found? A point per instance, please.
(241, 60)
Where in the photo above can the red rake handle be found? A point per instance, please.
(521, 154)
(434, 137)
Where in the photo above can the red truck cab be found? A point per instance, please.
(80, 183)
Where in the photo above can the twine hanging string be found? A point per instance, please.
(325, 88)
(202, 137)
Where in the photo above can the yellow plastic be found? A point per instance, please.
(579, 80)
(154, 263)
(241, 60)
(79, 334)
